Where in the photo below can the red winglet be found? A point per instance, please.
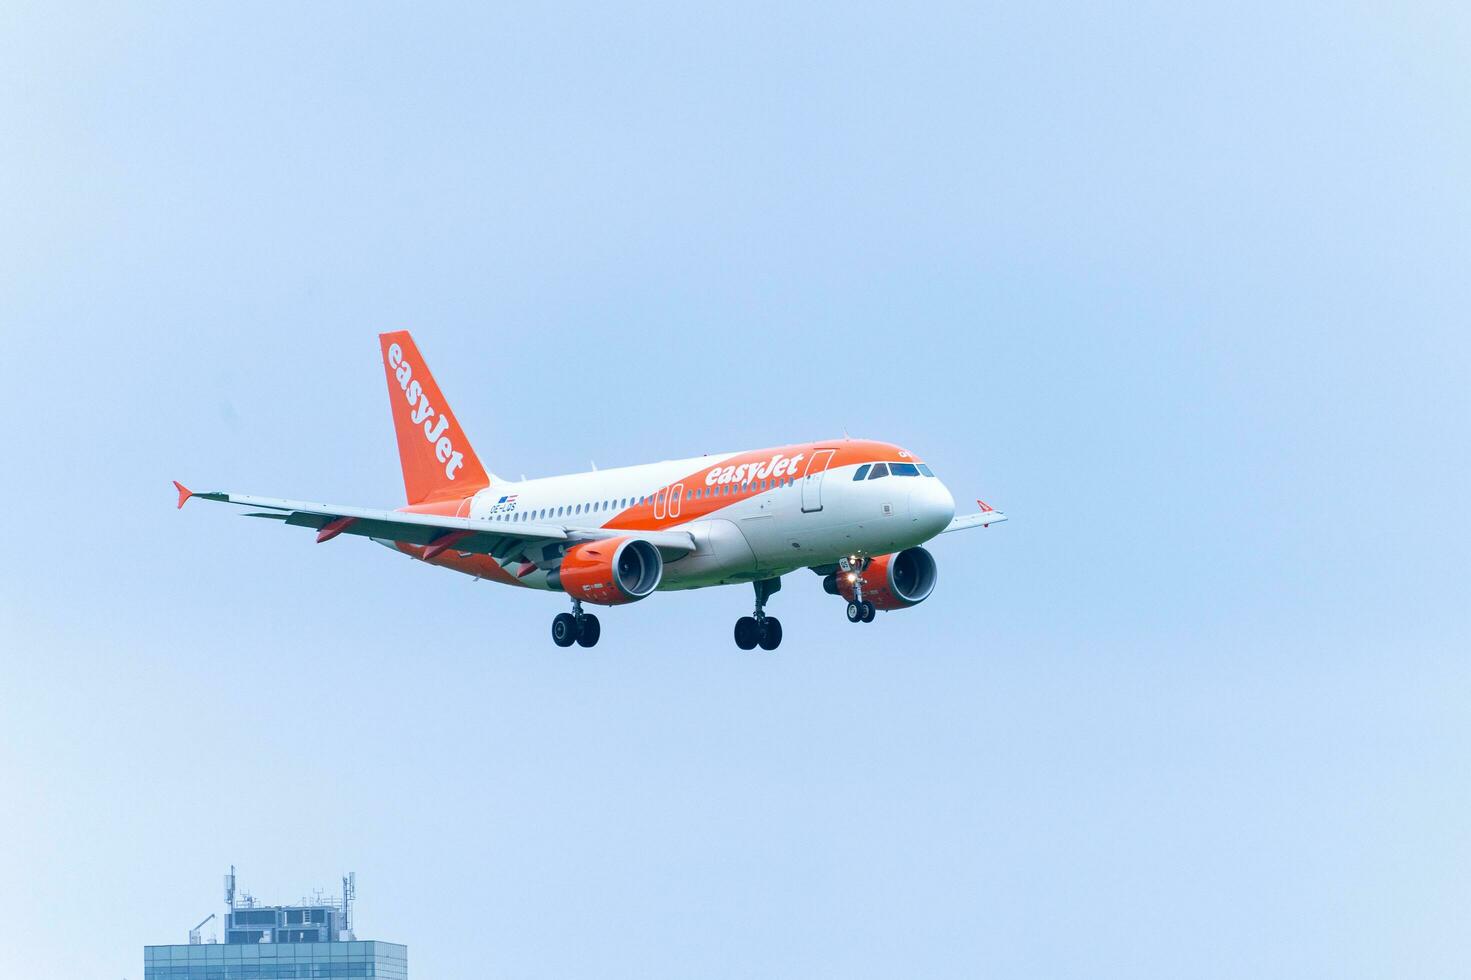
(331, 530)
(985, 507)
(184, 492)
(443, 542)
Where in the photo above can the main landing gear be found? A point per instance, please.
(576, 627)
(760, 629)
(860, 610)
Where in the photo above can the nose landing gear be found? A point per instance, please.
(760, 629)
(860, 610)
(576, 627)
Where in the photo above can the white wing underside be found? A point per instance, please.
(983, 519)
(473, 535)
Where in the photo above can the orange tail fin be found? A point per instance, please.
(438, 462)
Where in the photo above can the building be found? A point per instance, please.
(279, 942)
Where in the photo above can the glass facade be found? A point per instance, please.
(275, 961)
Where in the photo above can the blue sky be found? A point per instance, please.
(1182, 289)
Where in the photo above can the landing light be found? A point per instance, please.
(852, 577)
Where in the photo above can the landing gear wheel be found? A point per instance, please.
(747, 633)
(770, 633)
(868, 611)
(855, 612)
(564, 629)
(588, 631)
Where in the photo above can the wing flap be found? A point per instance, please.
(366, 527)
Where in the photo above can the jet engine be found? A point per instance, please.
(609, 572)
(891, 582)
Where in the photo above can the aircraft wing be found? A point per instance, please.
(473, 535)
(987, 516)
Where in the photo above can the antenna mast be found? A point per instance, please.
(349, 892)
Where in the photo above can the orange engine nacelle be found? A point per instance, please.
(609, 572)
(894, 581)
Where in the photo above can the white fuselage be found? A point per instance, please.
(790, 515)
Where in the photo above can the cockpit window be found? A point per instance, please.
(879, 469)
(862, 472)
(903, 469)
(926, 470)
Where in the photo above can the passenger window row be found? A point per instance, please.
(623, 503)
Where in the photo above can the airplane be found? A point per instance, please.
(854, 511)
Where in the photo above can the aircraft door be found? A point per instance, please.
(812, 480)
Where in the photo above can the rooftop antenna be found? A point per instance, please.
(229, 889)
(349, 892)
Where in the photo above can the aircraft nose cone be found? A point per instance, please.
(931, 506)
